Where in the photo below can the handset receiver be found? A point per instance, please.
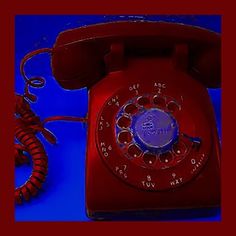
(78, 58)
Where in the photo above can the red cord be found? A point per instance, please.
(26, 128)
(64, 118)
(35, 82)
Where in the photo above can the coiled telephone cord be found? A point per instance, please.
(27, 126)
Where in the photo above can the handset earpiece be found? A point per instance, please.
(202, 64)
(206, 66)
(78, 65)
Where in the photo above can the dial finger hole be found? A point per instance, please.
(159, 101)
(130, 109)
(179, 148)
(166, 157)
(142, 101)
(149, 158)
(125, 137)
(172, 106)
(124, 122)
(134, 150)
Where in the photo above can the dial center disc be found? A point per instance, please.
(155, 130)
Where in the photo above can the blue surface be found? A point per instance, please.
(63, 196)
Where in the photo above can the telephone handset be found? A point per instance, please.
(81, 57)
(152, 138)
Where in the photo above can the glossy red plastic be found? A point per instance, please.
(170, 67)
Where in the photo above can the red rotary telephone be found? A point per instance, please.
(152, 138)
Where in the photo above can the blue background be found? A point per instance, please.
(62, 198)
